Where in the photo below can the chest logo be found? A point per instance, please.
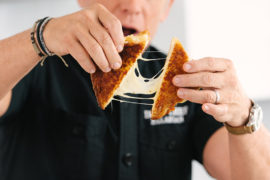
(174, 117)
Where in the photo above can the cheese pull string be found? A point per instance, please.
(148, 104)
(136, 98)
(154, 59)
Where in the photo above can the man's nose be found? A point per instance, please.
(133, 7)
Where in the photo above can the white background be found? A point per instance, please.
(235, 29)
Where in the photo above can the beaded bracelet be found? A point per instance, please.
(33, 40)
(41, 38)
(38, 35)
(39, 45)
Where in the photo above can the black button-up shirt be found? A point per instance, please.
(54, 130)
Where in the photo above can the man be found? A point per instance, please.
(52, 128)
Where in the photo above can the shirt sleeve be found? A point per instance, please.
(203, 127)
(20, 95)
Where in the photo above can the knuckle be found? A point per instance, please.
(94, 48)
(207, 79)
(89, 17)
(111, 25)
(211, 62)
(115, 22)
(105, 39)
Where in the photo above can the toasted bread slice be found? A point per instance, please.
(166, 96)
(111, 81)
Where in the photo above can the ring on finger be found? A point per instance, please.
(217, 96)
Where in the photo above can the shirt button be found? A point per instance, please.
(128, 159)
(78, 131)
(171, 144)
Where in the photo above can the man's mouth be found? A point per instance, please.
(129, 31)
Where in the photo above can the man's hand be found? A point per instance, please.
(93, 36)
(219, 74)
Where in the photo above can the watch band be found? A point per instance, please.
(254, 120)
(239, 130)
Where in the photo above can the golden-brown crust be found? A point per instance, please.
(105, 84)
(167, 97)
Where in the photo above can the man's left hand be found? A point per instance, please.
(212, 74)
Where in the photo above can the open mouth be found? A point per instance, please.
(129, 31)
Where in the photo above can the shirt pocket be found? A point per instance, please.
(74, 139)
(164, 151)
(72, 125)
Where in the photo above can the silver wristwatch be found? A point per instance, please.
(254, 121)
(255, 117)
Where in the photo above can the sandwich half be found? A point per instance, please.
(106, 84)
(166, 96)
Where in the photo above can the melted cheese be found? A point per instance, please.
(136, 84)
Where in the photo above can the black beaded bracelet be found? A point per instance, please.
(42, 43)
(38, 35)
(38, 41)
(33, 40)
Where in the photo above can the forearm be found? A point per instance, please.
(250, 155)
(17, 58)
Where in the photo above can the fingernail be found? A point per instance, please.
(92, 71)
(177, 80)
(119, 48)
(180, 93)
(107, 69)
(187, 67)
(206, 107)
(116, 65)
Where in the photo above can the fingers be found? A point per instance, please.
(200, 96)
(109, 49)
(113, 26)
(83, 58)
(94, 50)
(201, 79)
(219, 112)
(214, 73)
(92, 33)
(207, 64)
(207, 98)
(102, 37)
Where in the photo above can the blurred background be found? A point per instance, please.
(237, 30)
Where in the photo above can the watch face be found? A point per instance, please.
(255, 117)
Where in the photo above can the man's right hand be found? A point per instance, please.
(93, 36)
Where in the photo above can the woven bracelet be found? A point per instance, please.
(39, 45)
(42, 42)
(38, 35)
(33, 40)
